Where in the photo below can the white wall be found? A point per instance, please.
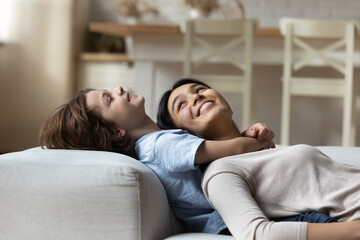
(36, 70)
(267, 11)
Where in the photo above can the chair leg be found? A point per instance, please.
(246, 112)
(349, 123)
(248, 107)
(285, 115)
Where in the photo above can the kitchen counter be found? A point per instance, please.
(120, 30)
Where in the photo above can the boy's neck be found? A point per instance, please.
(147, 126)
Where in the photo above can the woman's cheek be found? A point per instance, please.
(185, 115)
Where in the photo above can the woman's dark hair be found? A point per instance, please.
(75, 126)
(164, 120)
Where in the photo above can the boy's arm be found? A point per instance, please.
(259, 131)
(211, 150)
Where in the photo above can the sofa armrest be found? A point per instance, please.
(72, 194)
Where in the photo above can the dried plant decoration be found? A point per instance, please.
(241, 7)
(204, 6)
(135, 8)
(208, 7)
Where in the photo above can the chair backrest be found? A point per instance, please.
(229, 27)
(297, 32)
(336, 51)
(239, 37)
(316, 28)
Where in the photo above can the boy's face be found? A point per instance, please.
(117, 106)
(198, 108)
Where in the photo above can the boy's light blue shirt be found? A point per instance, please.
(171, 154)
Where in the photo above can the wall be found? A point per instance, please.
(268, 12)
(36, 67)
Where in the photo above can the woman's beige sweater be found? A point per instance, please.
(248, 189)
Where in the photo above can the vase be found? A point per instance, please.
(198, 13)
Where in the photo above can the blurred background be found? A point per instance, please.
(48, 52)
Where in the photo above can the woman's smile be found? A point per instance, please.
(204, 107)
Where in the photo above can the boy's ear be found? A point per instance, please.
(121, 133)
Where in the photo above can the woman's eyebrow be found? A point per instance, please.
(177, 97)
(173, 103)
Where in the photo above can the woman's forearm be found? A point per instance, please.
(334, 231)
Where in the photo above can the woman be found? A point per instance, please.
(114, 120)
(194, 106)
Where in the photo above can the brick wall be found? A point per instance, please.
(267, 11)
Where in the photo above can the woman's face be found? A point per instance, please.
(198, 108)
(117, 106)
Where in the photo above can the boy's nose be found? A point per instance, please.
(119, 90)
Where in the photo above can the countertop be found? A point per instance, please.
(117, 29)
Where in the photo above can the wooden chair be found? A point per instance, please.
(235, 50)
(341, 34)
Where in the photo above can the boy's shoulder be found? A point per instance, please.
(176, 133)
(153, 136)
(167, 138)
(167, 132)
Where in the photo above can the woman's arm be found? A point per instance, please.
(231, 196)
(211, 150)
(334, 231)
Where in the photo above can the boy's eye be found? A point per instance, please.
(180, 105)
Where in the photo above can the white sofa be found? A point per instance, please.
(85, 195)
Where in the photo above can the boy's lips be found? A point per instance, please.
(203, 107)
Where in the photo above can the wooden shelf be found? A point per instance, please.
(105, 57)
(121, 30)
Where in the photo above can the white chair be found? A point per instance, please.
(341, 34)
(233, 46)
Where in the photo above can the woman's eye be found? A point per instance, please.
(110, 99)
(200, 89)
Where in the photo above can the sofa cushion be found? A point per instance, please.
(71, 194)
(199, 236)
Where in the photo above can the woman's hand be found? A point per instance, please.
(259, 131)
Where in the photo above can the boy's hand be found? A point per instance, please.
(268, 144)
(259, 131)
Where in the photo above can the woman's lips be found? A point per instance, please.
(204, 107)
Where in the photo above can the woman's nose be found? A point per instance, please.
(197, 97)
